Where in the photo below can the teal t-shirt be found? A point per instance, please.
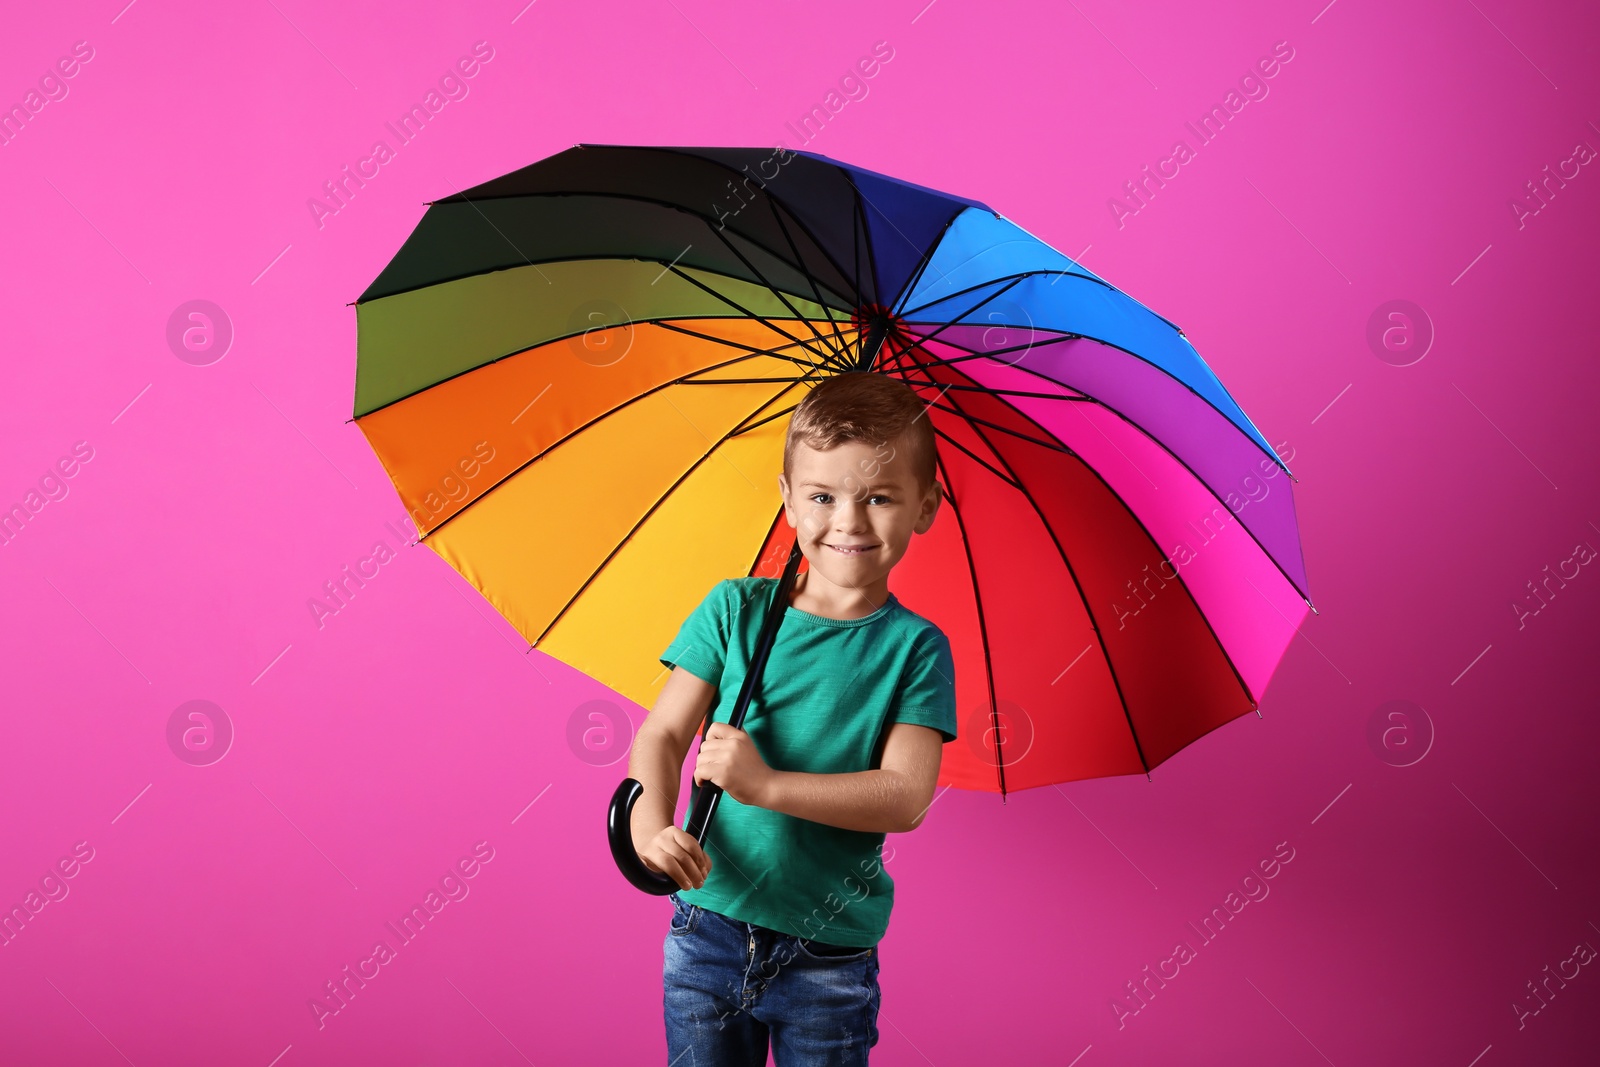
(830, 689)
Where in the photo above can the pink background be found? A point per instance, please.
(373, 753)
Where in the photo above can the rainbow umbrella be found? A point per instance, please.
(579, 375)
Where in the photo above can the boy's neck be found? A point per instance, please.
(835, 602)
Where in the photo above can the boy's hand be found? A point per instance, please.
(729, 758)
(674, 852)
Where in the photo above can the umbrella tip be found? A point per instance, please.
(1313, 608)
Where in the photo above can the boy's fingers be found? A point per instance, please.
(679, 875)
(698, 860)
(702, 861)
(672, 867)
(667, 855)
(685, 871)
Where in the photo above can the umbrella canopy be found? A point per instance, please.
(579, 376)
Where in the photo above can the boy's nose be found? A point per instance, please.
(851, 521)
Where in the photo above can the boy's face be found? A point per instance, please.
(854, 509)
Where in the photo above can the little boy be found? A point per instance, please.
(778, 936)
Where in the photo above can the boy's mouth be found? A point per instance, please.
(851, 550)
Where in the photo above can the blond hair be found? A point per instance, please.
(865, 406)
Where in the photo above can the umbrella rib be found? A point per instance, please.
(799, 261)
(1053, 445)
(742, 428)
(1001, 475)
(651, 511)
(1065, 273)
(927, 258)
(575, 432)
(816, 241)
(746, 312)
(921, 252)
(667, 324)
(974, 354)
(958, 320)
(1014, 276)
(781, 295)
(770, 527)
(918, 381)
(734, 381)
(997, 391)
(855, 244)
(862, 235)
(657, 201)
(983, 628)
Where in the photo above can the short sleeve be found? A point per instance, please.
(702, 642)
(926, 695)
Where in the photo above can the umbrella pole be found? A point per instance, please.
(707, 795)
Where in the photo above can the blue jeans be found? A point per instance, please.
(729, 985)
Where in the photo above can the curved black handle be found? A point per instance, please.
(703, 805)
(619, 830)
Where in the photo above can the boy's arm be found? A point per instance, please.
(892, 799)
(659, 748)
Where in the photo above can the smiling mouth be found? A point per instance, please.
(852, 550)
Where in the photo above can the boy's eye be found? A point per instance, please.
(874, 496)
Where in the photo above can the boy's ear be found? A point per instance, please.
(783, 489)
(930, 507)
